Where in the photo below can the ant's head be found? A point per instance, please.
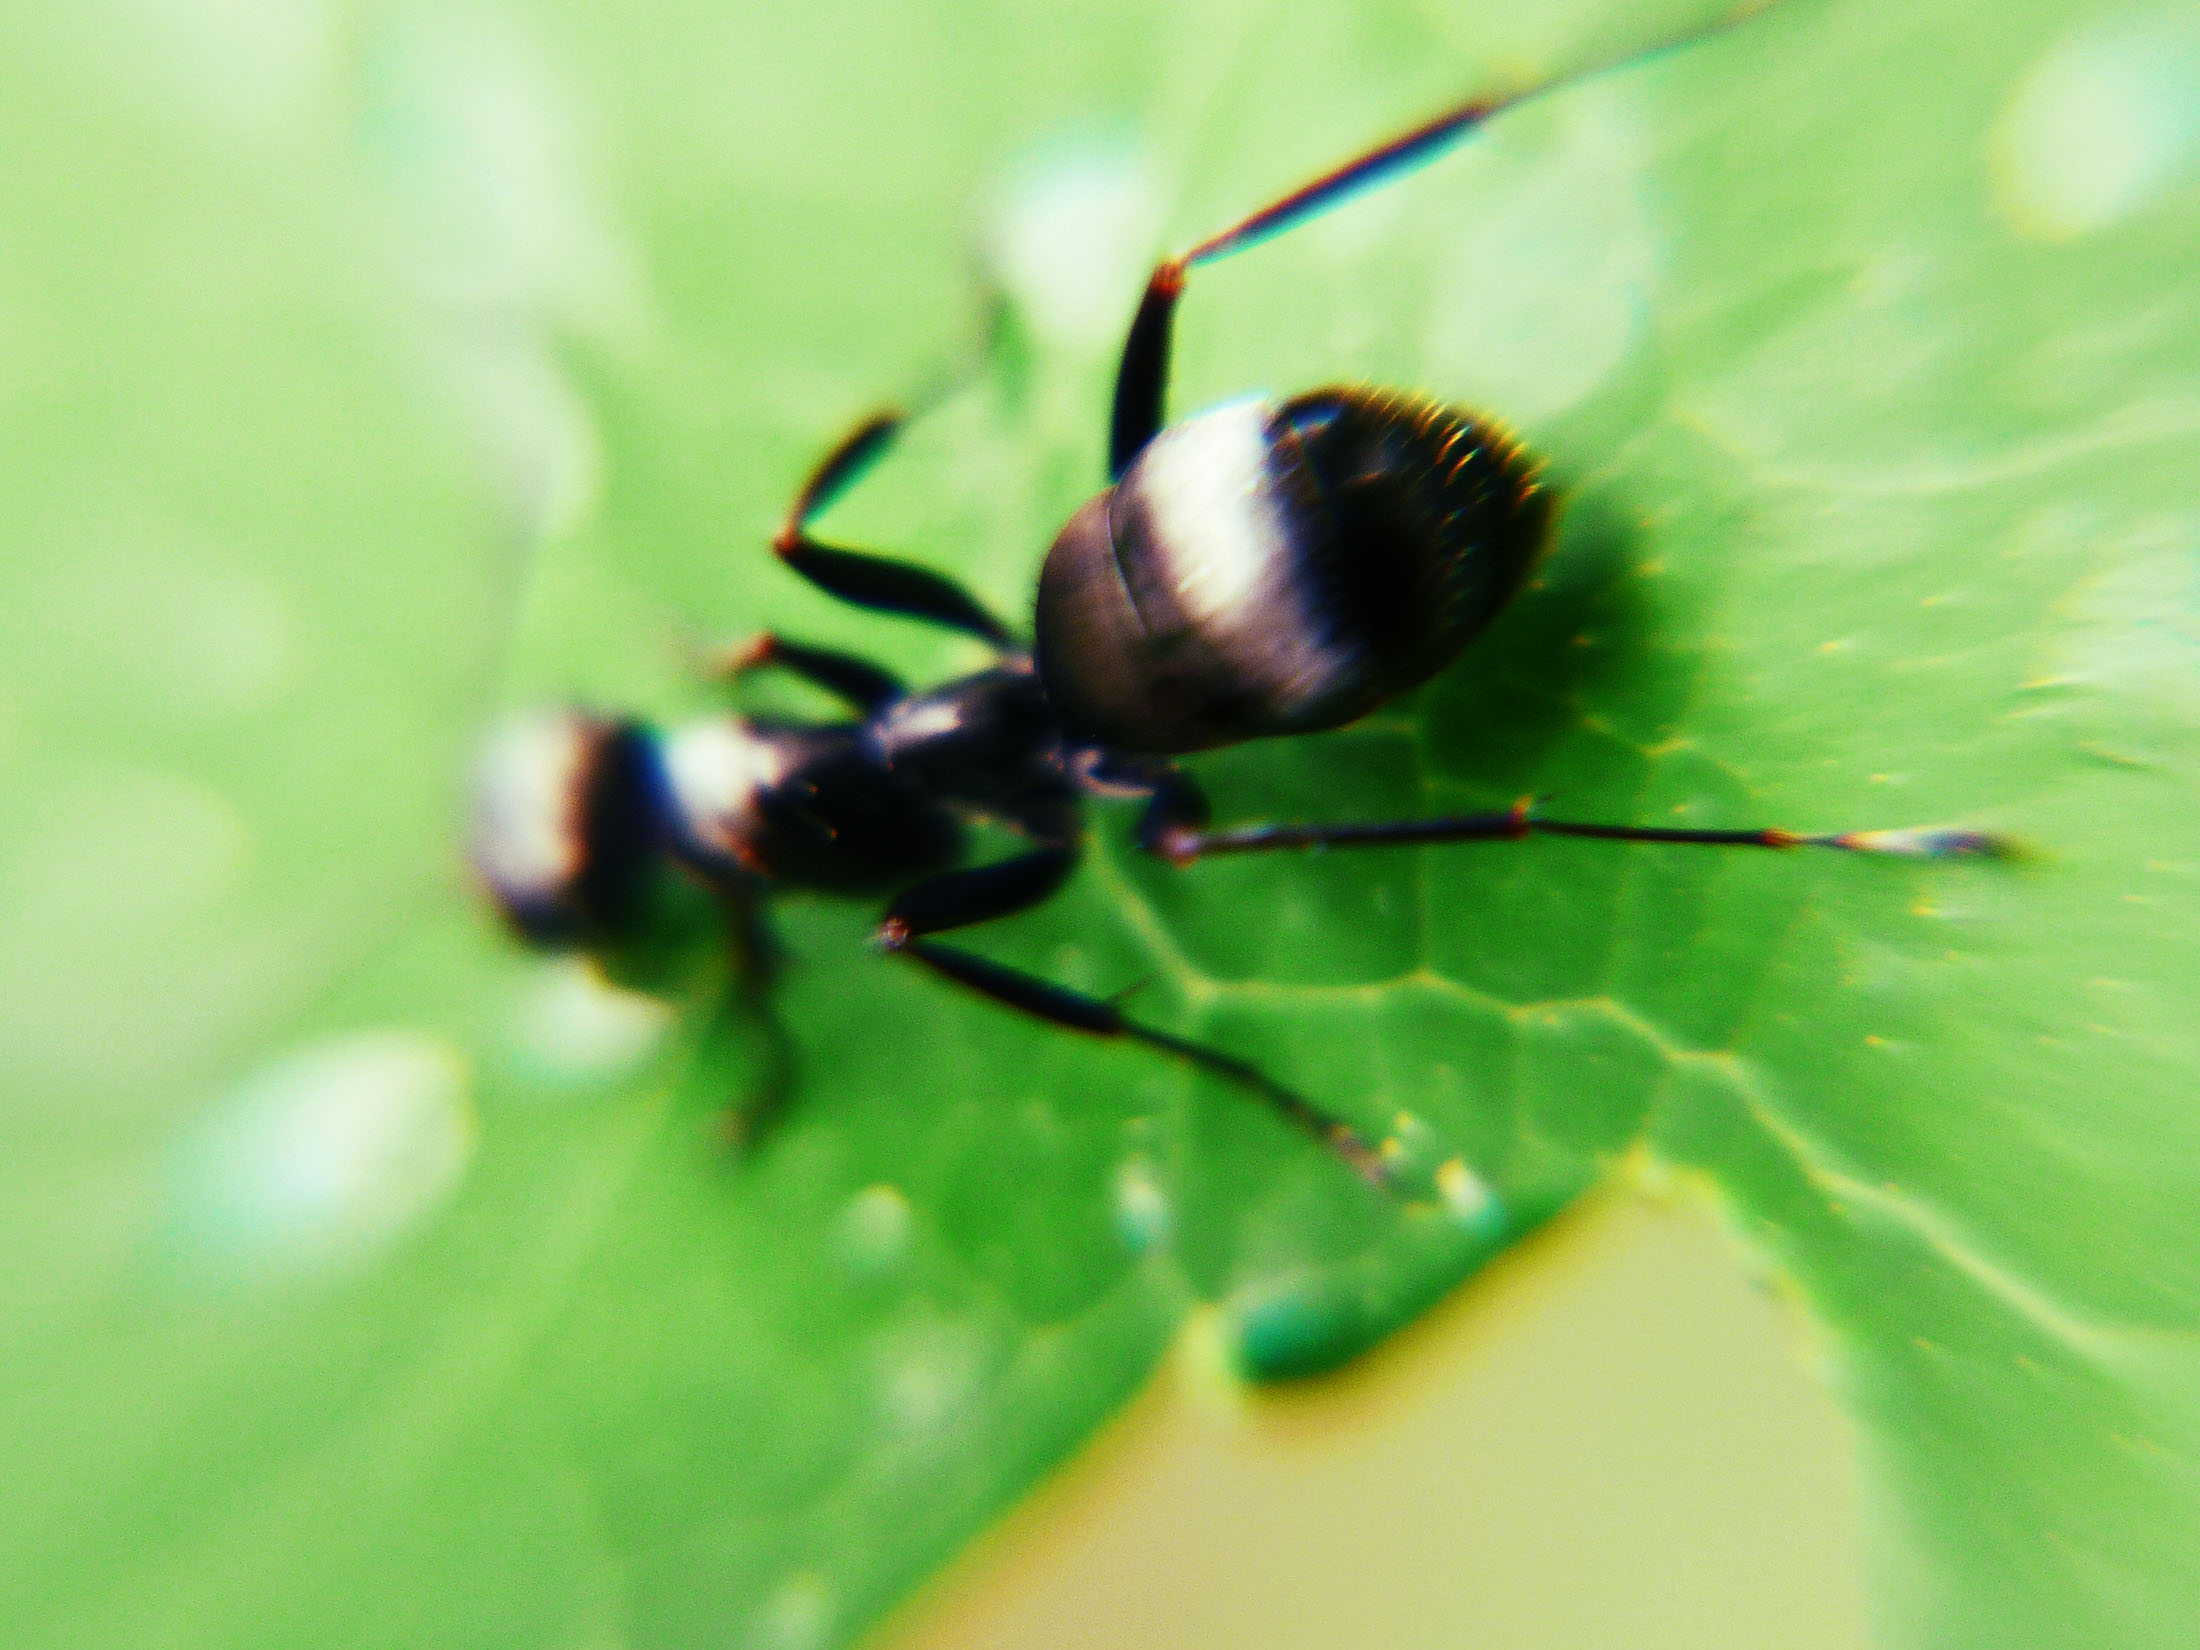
(564, 831)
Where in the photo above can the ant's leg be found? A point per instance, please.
(1012, 988)
(1177, 805)
(754, 956)
(957, 899)
(1174, 800)
(1141, 381)
(882, 583)
(867, 687)
(1185, 842)
(961, 898)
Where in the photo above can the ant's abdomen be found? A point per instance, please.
(1264, 569)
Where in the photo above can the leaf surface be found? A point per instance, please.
(376, 1283)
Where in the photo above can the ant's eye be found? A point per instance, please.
(561, 830)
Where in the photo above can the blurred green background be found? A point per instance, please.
(369, 369)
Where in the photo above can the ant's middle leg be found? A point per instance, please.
(855, 681)
(884, 584)
(962, 898)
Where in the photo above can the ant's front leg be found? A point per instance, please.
(962, 898)
(747, 1013)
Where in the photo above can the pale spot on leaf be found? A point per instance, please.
(1070, 234)
(1142, 1212)
(797, 1616)
(2098, 127)
(573, 1026)
(874, 1230)
(324, 1158)
(1534, 347)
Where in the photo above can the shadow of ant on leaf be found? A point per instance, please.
(1580, 635)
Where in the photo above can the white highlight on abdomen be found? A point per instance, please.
(1225, 548)
(1205, 482)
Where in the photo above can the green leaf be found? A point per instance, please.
(375, 1284)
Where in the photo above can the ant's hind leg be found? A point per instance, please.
(1183, 841)
(1142, 379)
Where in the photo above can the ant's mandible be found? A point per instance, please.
(1259, 569)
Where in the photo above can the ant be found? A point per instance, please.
(1254, 571)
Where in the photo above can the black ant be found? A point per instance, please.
(1257, 570)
